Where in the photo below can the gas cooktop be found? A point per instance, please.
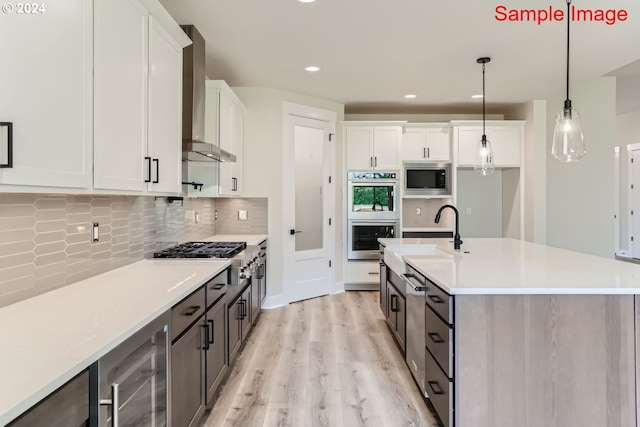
(202, 250)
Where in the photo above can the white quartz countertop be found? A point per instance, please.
(251, 239)
(509, 266)
(48, 339)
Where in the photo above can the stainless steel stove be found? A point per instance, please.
(202, 250)
(242, 257)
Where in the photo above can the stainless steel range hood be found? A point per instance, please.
(194, 147)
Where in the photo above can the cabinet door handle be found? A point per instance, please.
(148, 179)
(375, 161)
(212, 338)
(157, 162)
(114, 402)
(428, 154)
(394, 308)
(234, 184)
(192, 310)
(436, 299)
(437, 339)
(205, 346)
(9, 142)
(374, 273)
(370, 162)
(435, 387)
(424, 152)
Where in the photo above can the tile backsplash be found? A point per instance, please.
(229, 217)
(45, 240)
(428, 209)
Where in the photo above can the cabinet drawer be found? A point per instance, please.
(440, 390)
(439, 339)
(440, 301)
(216, 287)
(186, 312)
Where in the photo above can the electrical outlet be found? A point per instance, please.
(243, 215)
(95, 232)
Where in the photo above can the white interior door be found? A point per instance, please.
(308, 206)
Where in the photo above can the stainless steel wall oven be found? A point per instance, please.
(363, 237)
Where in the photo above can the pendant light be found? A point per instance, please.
(568, 141)
(484, 152)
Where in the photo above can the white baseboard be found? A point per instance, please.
(274, 301)
(338, 287)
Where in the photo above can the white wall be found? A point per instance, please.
(263, 170)
(479, 201)
(627, 132)
(580, 195)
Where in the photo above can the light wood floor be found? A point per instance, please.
(328, 361)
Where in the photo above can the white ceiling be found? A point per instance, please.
(373, 52)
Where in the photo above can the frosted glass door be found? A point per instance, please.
(308, 188)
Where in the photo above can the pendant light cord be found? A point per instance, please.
(483, 101)
(568, 22)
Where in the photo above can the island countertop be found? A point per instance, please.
(495, 266)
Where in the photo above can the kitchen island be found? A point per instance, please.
(540, 336)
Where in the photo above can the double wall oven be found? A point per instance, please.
(373, 212)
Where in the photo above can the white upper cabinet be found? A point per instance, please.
(120, 88)
(138, 98)
(373, 147)
(506, 140)
(224, 127)
(165, 110)
(46, 94)
(426, 143)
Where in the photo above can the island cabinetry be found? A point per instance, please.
(545, 360)
(373, 147)
(426, 143)
(396, 306)
(439, 333)
(383, 283)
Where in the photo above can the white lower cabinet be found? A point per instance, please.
(362, 272)
(46, 95)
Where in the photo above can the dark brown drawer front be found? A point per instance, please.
(440, 301)
(439, 339)
(186, 312)
(440, 390)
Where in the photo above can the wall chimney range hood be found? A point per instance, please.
(194, 148)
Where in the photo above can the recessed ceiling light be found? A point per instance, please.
(306, 1)
(410, 96)
(476, 96)
(312, 69)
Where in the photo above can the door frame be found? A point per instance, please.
(307, 112)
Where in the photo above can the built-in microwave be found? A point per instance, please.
(427, 179)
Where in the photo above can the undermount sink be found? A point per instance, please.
(393, 255)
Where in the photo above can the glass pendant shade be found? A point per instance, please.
(484, 157)
(568, 141)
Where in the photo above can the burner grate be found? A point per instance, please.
(202, 250)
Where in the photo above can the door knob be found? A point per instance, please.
(294, 231)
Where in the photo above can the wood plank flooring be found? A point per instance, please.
(328, 361)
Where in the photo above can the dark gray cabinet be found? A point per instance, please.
(383, 283)
(199, 350)
(239, 322)
(66, 407)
